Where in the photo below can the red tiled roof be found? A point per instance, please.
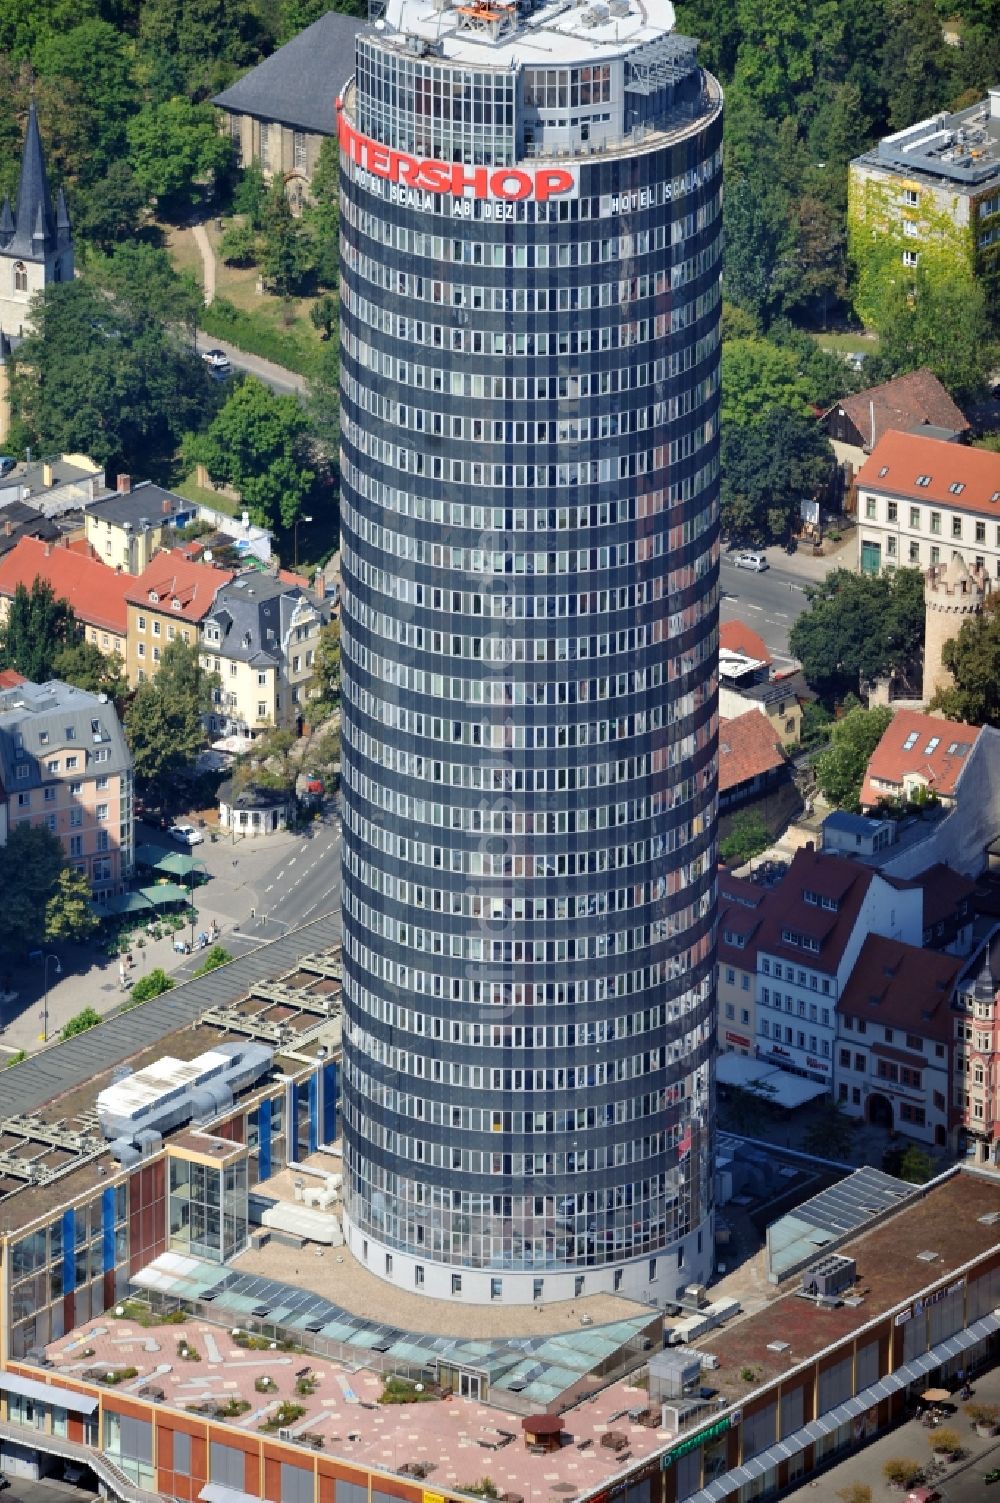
(906, 402)
(902, 986)
(945, 891)
(735, 636)
(900, 459)
(10, 678)
(96, 593)
(907, 748)
(741, 911)
(169, 576)
(748, 747)
(843, 881)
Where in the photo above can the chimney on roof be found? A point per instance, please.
(168, 506)
(48, 550)
(319, 585)
(124, 485)
(8, 527)
(47, 474)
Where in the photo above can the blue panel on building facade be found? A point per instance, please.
(69, 1251)
(329, 1101)
(292, 1123)
(108, 1229)
(313, 1091)
(265, 1138)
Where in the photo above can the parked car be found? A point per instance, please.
(751, 560)
(217, 361)
(186, 835)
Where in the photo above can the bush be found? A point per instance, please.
(186, 1352)
(216, 956)
(16, 1059)
(223, 320)
(898, 1471)
(285, 1414)
(88, 1018)
(983, 1414)
(944, 1439)
(855, 1492)
(402, 1391)
(152, 985)
(748, 837)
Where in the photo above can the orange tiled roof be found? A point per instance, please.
(736, 636)
(169, 577)
(935, 748)
(96, 593)
(900, 460)
(748, 747)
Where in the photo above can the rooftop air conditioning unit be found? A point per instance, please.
(830, 1276)
(709, 1361)
(284, 1433)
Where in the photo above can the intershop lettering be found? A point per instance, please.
(409, 178)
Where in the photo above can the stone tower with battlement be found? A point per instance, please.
(953, 594)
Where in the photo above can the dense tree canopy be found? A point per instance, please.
(38, 630)
(257, 444)
(163, 722)
(44, 898)
(840, 769)
(102, 375)
(860, 626)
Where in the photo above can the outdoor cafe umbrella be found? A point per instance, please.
(935, 1396)
(176, 864)
(163, 893)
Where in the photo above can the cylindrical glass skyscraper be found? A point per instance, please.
(531, 236)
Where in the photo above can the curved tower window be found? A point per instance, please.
(20, 277)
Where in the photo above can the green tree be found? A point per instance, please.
(102, 376)
(91, 61)
(323, 315)
(109, 209)
(142, 278)
(177, 152)
(163, 722)
(68, 912)
(325, 686)
(30, 864)
(38, 628)
(768, 468)
(257, 443)
(859, 626)
(757, 375)
(916, 1166)
(748, 837)
(323, 215)
(83, 664)
(81, 1023)
(250, 195)
(756, 234)
(216, 956)
(938, 322)
(240, 245)
(285, 251)
(153, 984)
(830, 1134)
(840, 770)
(973, 658)
(17, 1059)
(193, 46)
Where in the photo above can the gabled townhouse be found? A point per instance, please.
(128, 526)
(976, 1071)
(894, 1040)
(919, 755)
(815, 923)
(261, 638)
(169, 600)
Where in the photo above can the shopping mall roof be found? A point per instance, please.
(284, 994)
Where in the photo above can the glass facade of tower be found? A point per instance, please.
(529, 491)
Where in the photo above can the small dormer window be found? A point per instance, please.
(883, 472)
(175, 605)
(957, 487)
(923, 481)
(154, 598)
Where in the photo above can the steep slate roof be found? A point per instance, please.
(36, 226)
(254, 615)
(169, 577)
(939, 765)
(298, 85)
(736, 636)
(96, 593)
(900, 458)
(748, 747)
(902, 986)
(947, 894)
(842, 882)
(904, 403)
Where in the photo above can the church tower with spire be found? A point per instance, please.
(36, 243)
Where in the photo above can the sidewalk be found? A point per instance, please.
(961, 1480)
(204, 245)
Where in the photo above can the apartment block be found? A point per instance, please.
(261, 638)
(64, 763)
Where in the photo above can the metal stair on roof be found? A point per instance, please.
(660, 63)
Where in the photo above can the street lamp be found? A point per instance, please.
(295, 532)
(45, 1004)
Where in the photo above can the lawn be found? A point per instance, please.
(853, 342)
(192, 491)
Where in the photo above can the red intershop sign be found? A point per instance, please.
(454, 178)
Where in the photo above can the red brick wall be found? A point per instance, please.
(147, 1214)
